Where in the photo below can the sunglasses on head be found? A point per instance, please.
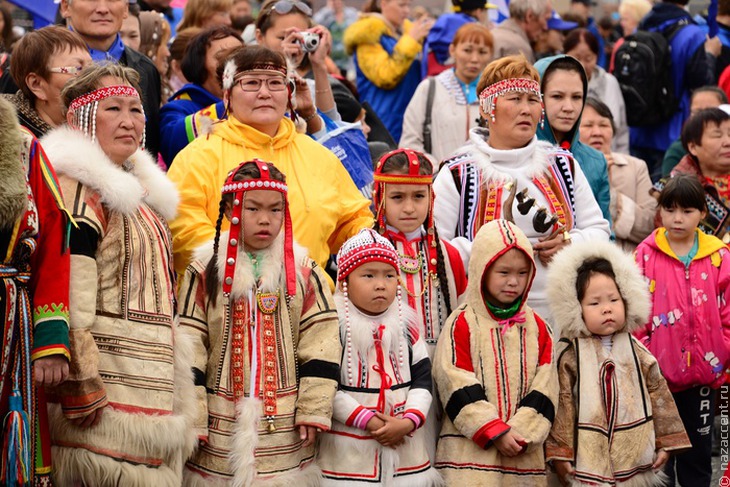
(285, 6)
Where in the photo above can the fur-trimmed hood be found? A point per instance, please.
(76, 156)
(271, 267)
(563, 296)
(12, 173)
(492, 241)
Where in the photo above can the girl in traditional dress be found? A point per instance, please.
(266, 346)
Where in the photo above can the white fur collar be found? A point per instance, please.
(533, 159)
(271, 264)
(362, 325)
(77, 157)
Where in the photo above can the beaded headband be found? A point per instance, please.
(413, 177)
(488, 96)
(366, 246)
(83, 108)
(238, 188)
(230, 75)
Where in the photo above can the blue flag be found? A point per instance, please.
(43, 11)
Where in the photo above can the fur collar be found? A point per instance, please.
(12, 190)
(362, 326)
(74, 155)
(271, 265)
(533, 159)
(563, 297)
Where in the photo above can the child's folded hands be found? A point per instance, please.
(393, 431)
(510, 444)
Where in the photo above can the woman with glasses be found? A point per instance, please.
(505, 172)
(286, 26)
(387, 49)
(43, 61)
(326, 207)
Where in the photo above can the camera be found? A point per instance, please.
(310, 41)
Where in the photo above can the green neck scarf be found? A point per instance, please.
(504, 313)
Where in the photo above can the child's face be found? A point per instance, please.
(372, 287)
(406, 206)
(680, 222)
(506, 279)
(603, 309)
(263, 214)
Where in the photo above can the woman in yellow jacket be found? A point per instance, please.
(387, 49)
(326, 207)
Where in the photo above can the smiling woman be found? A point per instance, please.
(507, 173)
(130, 377)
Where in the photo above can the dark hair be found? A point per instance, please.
(371, 6)
(34, 51)
(602, 110)
(683, 191)
(398, 164)
(8, 37)
(265, 20)
(696, 125)
(581, 35)
(566, 63)
(247, 171)
(193, 62)
(246, 56)
(589, 268)
(721, 96)
(723, 7)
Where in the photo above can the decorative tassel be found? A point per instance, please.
(15, 463)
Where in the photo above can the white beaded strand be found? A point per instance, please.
(348, 333)
(399, 297)
(93, 121)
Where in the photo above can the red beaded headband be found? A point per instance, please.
(102, 93)
(488, 96)
(238, 188)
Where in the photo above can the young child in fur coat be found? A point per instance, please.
(617, 421)
(266, 345)
(494, 370)
(385, 378)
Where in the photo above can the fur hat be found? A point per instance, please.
(366, 246)
(563, 295)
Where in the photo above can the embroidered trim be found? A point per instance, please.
(101, 94)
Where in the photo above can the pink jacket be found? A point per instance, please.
(689, 326)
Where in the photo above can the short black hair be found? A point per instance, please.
(590, 267)
(695, 126)
(721, 96)
(683, 191)
(602, 110)
(193, 62)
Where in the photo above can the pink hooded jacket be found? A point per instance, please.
(689, 325)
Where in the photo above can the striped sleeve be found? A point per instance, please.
(350, 412)
(419, 396)
(536, 411)
(195, 321)
(319, 351)
(461, 391)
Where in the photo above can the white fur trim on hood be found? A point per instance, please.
(563, 296)
(74, 155)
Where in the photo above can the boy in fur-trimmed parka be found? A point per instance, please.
(494, 370)
(618, 421)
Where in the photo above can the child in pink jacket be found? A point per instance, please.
(688, 273)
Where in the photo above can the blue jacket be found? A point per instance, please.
(440, 36)
(591, 161)
(690, 70)
(179, 118)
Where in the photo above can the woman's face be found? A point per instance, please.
(211, 62)
(264, 108)
(219, 17)
(162, 56)
(628, 22)
(130, 32)
(48, 92)
(586, 57)
(713, 153)
(563, 97)
(395, 11)
(274, 36)
(596, 130)
(119, 124)
(515, 120)
(470, 58)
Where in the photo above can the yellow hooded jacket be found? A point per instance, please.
(326, 207)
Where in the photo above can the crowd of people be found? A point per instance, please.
(258, 244)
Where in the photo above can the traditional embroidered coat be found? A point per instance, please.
(128, 355)
(33, 277)
(386, 369)
(494, 376)
(615, 409)
(259, 376)
(480, 184)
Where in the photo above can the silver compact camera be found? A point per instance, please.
(310, 41)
